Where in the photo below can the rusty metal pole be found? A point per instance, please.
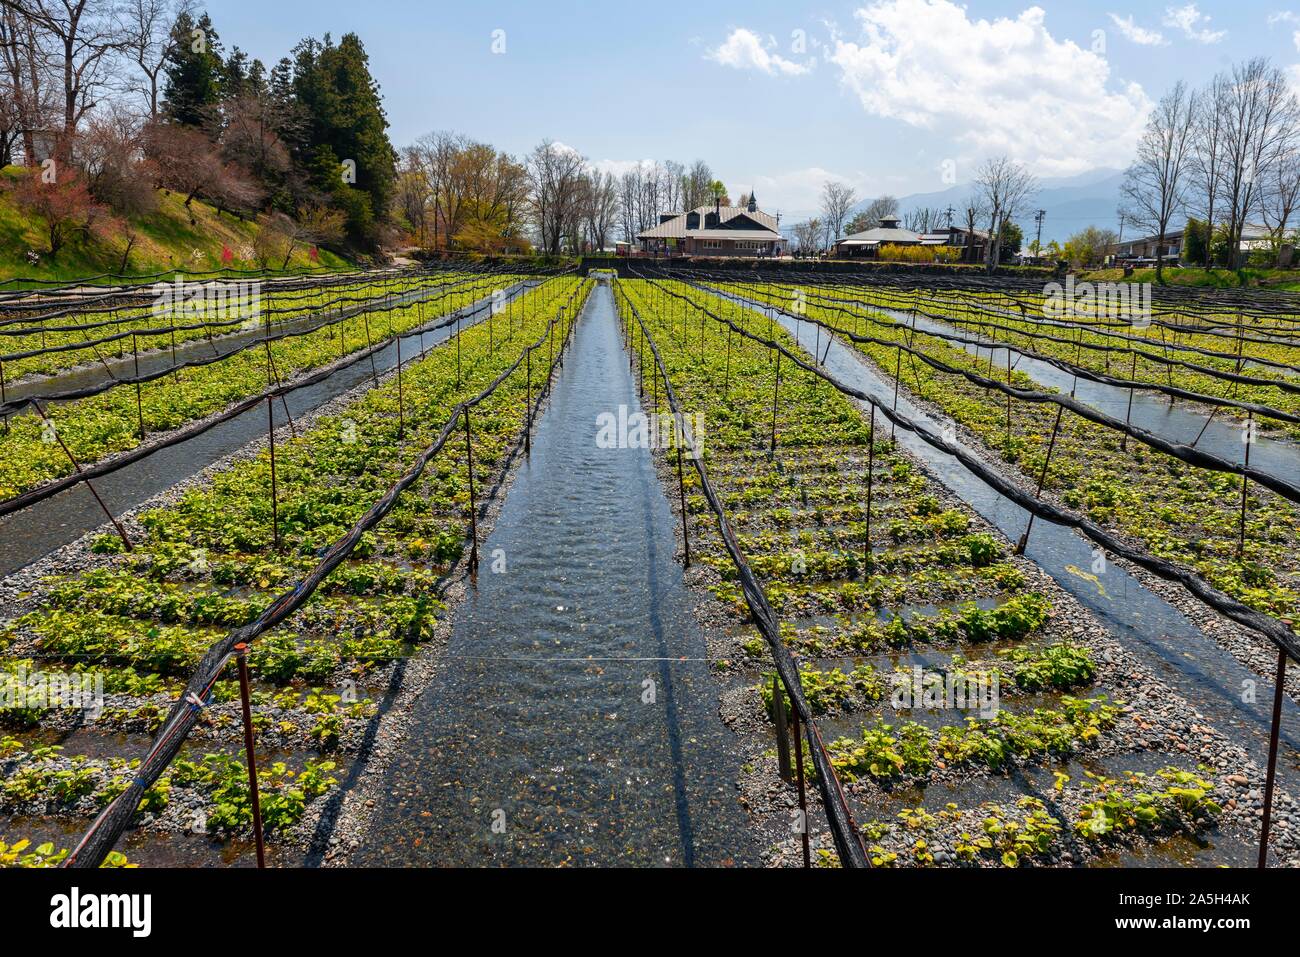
(528, 404)
(782, 729)
(1271, 775)
(1042, 478)
(867, 558)
(473, 506)
(803, 793)
(76, 467)
(241, 656)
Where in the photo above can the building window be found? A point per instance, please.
(713, 244)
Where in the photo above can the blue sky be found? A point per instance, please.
(889, 95)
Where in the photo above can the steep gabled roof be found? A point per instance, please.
(756, 225)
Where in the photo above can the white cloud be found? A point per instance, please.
(1137, 34)
(1193, 23)
(1286, 16)
(619, 167)
(1000, 86)
(745, 50)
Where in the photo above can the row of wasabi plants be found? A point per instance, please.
(139, 622)
(939, 666)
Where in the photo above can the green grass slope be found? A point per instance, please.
(167, 240)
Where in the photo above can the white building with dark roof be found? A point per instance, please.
(869, 241)
(717, 230)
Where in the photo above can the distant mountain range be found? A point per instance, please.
(1071, 202)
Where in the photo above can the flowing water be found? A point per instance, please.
(1223, 435)
(572, 718)
(1175, 650)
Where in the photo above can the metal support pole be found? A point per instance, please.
(76, 467)
(401, 416)
(803, 793)
(782, 730)
(867, 558)
(1271, 776)
(1042, 479)
(680, 430)
(241, 656)
(1241, 521)
(270, 443)
(473, 505)
(139, 402)
(776, 396)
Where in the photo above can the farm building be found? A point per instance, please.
(889, 233)
(717, 230)
(869, 241)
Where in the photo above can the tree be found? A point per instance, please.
(599, 207)
(837, 200)
(83, 40)
(1280, 195)
(1088, 246)
(1196, 241)
(25, 92)
(924, 219)
(1260, 120)
(1010, 239)
(193, 69)
(554, 177)
(1004, 187)
(807, 237)
(346, 147)
(1155, 183)
(875, 212)
(64, 204)
(975, 210)
(1206, 157)
(697, 186)
(150, 38)
(108, 156)
(280, 235)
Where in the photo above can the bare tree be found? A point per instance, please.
(975, 212)
(808, 236)
(1206, 156)
(83, 39)
(600, 207)
(924, 219)
(554, 175)
(1004, 187)
(1260, 120)
(874, 213)
(1281, 195)
(838, 200)
(1156, 181)
(25, 71)
(147, 28)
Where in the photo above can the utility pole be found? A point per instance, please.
(1038, 240)
(949, 215)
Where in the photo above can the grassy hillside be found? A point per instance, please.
(167, 241)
